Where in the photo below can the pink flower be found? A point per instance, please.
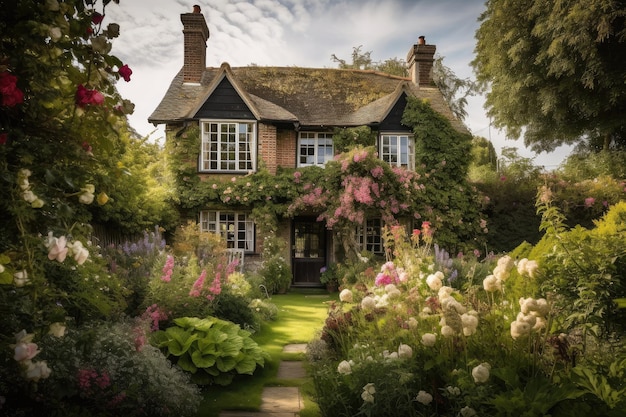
(25, 351)
(377, 172)
(296, 176)
(589, 201)
(168, 269)
(125, 72)
(197, 286)
(85, 97)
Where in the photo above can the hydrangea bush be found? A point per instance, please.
(431, 334)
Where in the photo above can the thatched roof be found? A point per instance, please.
(308, 96)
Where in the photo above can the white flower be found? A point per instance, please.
(345, 296)
(412, 323)
(519, 329)
(454, 391)
(57, 249)
(20, 278)
(480, 373)
(429, 339)
(470, 322)
(467, 411)
(434, 282)
(444, 293)
(506, 263)
(1, 268)
(447, 331)
(368, 393)
(423, 397)
(57, 329)
(29, 196)
(368, 303)
(80, 253)
(531, 268)
(344, 368)
(492, 284)
(405, 351)
(86, 196)
(37, 371)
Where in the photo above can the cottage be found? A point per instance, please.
(274, 118)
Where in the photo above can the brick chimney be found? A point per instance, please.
(196, 33)
(420, 60)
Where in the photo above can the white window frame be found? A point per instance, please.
(316, 146)
(397, 149)
(369, 236)
(228, 146)
(234, 227)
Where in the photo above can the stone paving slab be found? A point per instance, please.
(291, 370)
(281, 400)
(295, 348)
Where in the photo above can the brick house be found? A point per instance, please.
(283, 117)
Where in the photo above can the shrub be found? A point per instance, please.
(212, 350)
(103, 370)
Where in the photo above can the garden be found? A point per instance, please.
(507, 299)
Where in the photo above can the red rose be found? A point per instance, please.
(11, 95)
(125, 72)
(85, 97)
(97, 18)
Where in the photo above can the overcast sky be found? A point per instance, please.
(302, 33)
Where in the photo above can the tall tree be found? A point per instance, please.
(555, 69)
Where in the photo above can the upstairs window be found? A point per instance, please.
(398, 150)
(234, 227)
(228, 146)
(315, 148)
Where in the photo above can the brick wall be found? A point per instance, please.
(267, 146)
(286, 148)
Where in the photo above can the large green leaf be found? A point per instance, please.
(232, 346)
(246, 366)
(181, 340)
(226, 363)
(186, 364)
(201, 360)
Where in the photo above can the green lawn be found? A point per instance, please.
(301, 315)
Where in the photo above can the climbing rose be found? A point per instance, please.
(125, 72)
(11, 95)
(85, 97)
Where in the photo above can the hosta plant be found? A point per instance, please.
(211, 349)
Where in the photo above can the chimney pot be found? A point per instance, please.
(421, 40)
(196, 8)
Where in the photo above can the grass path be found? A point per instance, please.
(301, 315)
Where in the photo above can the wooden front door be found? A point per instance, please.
(308, 251)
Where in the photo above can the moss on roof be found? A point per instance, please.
(313, 96)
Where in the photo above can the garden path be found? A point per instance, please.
(280, 401)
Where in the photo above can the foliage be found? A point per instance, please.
(328, 275)
(582, 165)
(454, 90)
(584, 269)
(551, 69)
(417, 339)
(509, 201)
(100, 369)
(484, 158)
(275, 270)
(212, 350)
